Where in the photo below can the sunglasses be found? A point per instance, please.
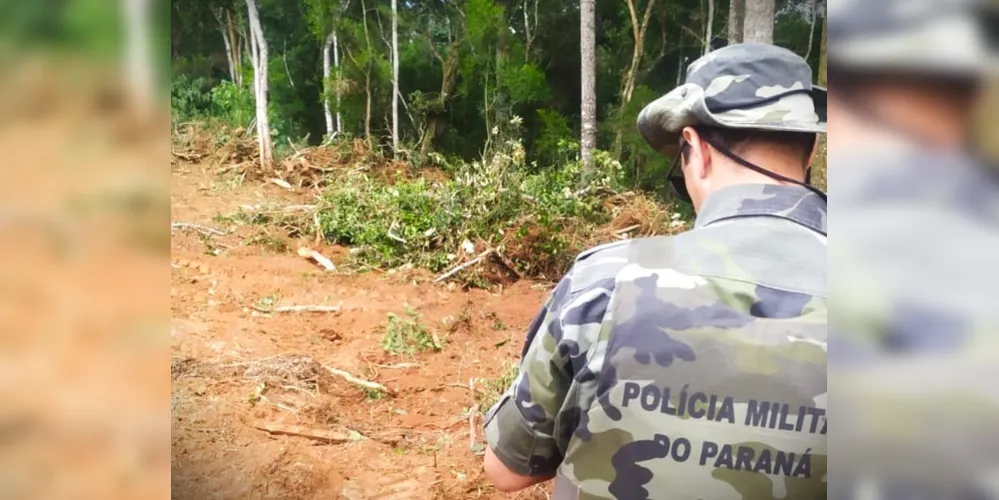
(675, 177)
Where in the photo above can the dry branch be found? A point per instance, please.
(506, 264)
(305, 308)
(367, 384)
(472, 435)
(628, 229)
(318, 258)
(459, 268)
(191, 157)
(325, 436)
(200, 228)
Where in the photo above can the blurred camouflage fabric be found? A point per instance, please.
(915, 275)
(690, 366)
(930, 37)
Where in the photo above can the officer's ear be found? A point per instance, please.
(813, 154)
(698, 161)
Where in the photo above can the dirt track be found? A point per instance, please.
(236, 369)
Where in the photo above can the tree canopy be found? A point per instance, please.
(467, 69)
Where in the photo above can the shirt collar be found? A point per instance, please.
(793, 203)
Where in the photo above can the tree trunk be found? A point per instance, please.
(228, 40)
(708, 25)
(638, 34)
(138, 57)
(822, 53)
(284, 58)
(628, 82)
(326, 85)
(395, 78)
(237, 59)
(759, 22)
(260, 84)
(434, 126)
(813, 10)
(367, 77)
(588, 108)
(336, 63)
(529, 34)
(736, 14)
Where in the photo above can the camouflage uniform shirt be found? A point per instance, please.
(684, 367)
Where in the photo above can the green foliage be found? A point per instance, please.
(540, 218)
(497, 72)
(555, 131)
(525, 83)
(406, 335)
(189, 98)
(647, 168)
(233, 105)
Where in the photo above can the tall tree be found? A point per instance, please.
(224, 19)
(328, 46)
(759, 22)
(258, 47)
(366, 69)
(325, 17)
(813, 10)
(395, 78)
(708, 25)
(736, 18)
(638, 30)
(588, 57)
(822, 53)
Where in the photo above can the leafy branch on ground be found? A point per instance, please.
(392, 214)
(407, 334)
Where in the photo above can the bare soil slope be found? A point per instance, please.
(256, 411)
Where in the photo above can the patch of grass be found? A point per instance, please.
(406, 335)
(452, 324)
(489, 391)
(212, 247)
(268, 301)
(268, 241)
(497, 324)
(225, 184)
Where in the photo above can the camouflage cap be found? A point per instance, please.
(939, 37)
(747, 86)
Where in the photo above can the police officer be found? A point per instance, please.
(693, 366)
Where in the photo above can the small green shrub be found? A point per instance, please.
(406, 335)
(233, 105)
(190, 98)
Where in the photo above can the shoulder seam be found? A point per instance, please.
(590, 251)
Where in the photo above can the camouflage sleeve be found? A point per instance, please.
(530, 426)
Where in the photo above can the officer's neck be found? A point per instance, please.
(910, 119)
(782, 163)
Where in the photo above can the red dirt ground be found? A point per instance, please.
(234, 368)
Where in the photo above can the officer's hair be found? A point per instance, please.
(958, 89)
(736, 140)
